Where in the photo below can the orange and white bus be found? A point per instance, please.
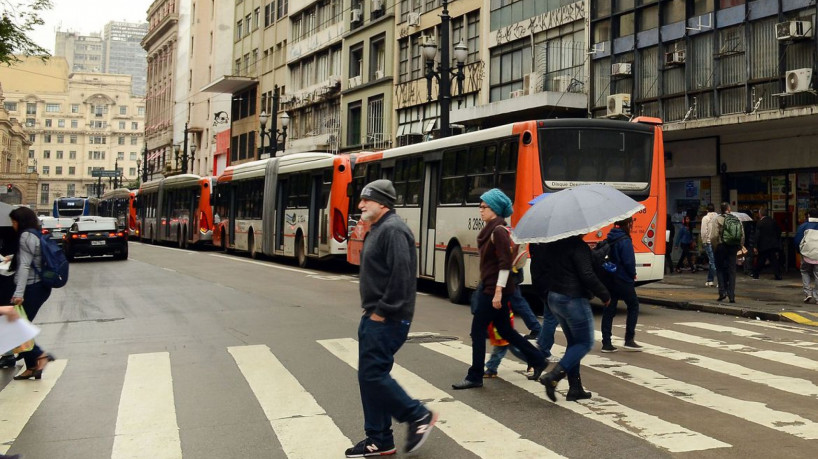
(292, 206)
(439, 183)
(118, 204)
(177, 209)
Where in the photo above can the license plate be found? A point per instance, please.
(97, 242)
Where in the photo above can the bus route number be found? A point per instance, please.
(476, 224)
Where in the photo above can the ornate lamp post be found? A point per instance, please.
(444, 71)
(273, 133)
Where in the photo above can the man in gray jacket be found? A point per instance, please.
(388, 289)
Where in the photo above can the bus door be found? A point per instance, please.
(231, 214)
(314, 214)
(282, 199)
(268, 209)
(192, 213)
(428, 216)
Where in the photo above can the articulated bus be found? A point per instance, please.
(117, 204)
(75, 207)
(177, 209)
(293, 206)
(439, 183)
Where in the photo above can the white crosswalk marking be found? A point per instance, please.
(754, 412)
(470, 428)
(294, 414)
(752, 335)
(786, 358)
(146, 421)
(786, 328)
(663, 434)
(793, 385)
(20, 399)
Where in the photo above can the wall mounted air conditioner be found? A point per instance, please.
(413, 19)
(793, 30)
(561, 83)
(333, 81)
(675, 57)
(621, 68)
(378, 74)
(532, 83)
(354, 81)
(619, 104)
(798, 80)
(356, 15)
(377, 5)
(516, 94)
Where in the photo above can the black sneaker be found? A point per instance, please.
(368, 447)
(608, 348)
(532, 336)
(632, 346)
(419, 430)
(8, 361)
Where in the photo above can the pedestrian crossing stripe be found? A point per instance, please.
(19, 400)
(782, 327)
(652, 429)
(465, 425)
(294, 414)
(750, 334)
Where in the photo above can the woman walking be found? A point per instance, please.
(572, 284)
(30, 292)
(685, 242)
(493, 301)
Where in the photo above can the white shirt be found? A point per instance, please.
(708, 221)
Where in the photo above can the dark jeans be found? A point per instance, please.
(577, 322)
(34, 297)
(545, 340)
(686, 255)
(382, 397)
(483, 316)
(625, 291)
(726, 270)
(519, 305)
(761, 260)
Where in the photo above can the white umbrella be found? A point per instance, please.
(572, 212)
(742, 216)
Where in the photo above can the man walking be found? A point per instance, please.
(809, 255)
(727, 239)
(766, 244)
(708, 222)
(388, 290)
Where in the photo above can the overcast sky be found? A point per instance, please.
(86, 16)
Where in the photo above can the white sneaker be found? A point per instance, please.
(808, 299)
(708, 284)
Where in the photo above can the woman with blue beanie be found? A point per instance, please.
(493, 302)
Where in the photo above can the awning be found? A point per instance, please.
(229, 84)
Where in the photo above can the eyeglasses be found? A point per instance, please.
(483, 206)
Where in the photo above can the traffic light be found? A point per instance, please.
(9, 187)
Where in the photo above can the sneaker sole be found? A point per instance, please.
(388, 452)
(632, 349)
(609, 351)
(425, 434)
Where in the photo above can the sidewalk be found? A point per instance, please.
(765, 298)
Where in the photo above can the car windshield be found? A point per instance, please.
(96, 226)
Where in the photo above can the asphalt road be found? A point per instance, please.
(202, 355)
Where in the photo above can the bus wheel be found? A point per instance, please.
(300, 252)
(455, 277)
(251, 244)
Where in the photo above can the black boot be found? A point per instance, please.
(550, 381)
(575, 389)
(8, 361)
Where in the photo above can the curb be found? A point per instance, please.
(715, 309)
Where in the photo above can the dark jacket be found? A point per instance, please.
(538, 268)
(570, 271)
(494, 246)
(768, 235)
(685, 237)
(388, 274)
(622, 255)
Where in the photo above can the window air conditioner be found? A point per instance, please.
(793, 30)
(516, 94)
(377, 5)
(532, 83)
(561, 83)
(378, 74)
(799, 80)
(413, 19)
(354, 81)
(356, 15)
(621, 68)
(619, 104)
(675, 57)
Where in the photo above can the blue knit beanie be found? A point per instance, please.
(498, 201)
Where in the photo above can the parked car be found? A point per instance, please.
(56, 227)
(96, 236)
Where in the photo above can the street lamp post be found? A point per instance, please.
(273, 133)
(145, 163)
(444, 71)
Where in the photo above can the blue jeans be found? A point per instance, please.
(545, 340)
(34, 297)
(519, 305)
(381, 396)
(497, 354)
(577, 322)
(711, 259)
(483, 316)
(809, 272)
(626, 292)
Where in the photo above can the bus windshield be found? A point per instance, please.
(70, 207)
(576, 156)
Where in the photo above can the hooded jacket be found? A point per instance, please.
(570, 270)
(622, 255)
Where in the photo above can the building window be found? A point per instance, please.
(374, 122)
(120, 141)
(132, 172)
(46, 170)
(473, 36)
(377, 58)
(61, 123)
(135, 125)
(122, 125)
(354, 124)
(281, 8)
(72, 138)
(134, 140)
(74, 124)
(238, 30)
(60, 138)
(48, 122)
(10, 106)
(46, 154)
(58, 170)
(71, 189)
(356, 60)
(31, 108)
(97, 140)
(508, 65)
(47, 138)
(75, 108)
(72, 155)
(123, 110)
(256, 18)
(31, 154)
(44, 192)
(133, 156)
(59, 154)
(416, 57)
(120, 155)
(140, 111)
(32, 138)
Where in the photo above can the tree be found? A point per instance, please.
(19, 18)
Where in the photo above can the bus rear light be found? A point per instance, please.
(339, 226)
(45, 231)
(204, 225)
(649, 239)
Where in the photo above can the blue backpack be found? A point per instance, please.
(54, 263)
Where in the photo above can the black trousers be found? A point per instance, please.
(726, 270)
(761, 260)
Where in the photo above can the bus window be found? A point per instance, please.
(507, 168)
(480, 172)
(453, 179)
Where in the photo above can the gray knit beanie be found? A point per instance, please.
(381, 191)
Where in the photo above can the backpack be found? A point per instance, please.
(519, 257)
(600, 256)
(809, 244)
(54, 263)
(731, 230)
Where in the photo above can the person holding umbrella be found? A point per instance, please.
(493, 244)
(559, 221)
